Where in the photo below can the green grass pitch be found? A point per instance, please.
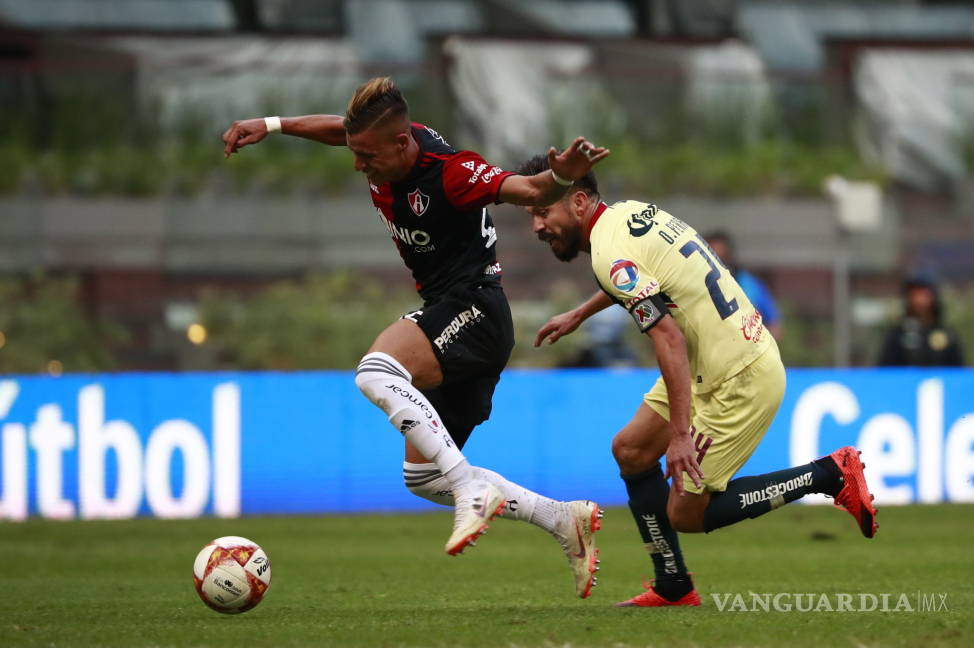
(385, 581)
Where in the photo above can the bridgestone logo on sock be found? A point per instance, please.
(659, 544)
(775, 492)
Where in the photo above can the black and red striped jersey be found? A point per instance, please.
(437, 215)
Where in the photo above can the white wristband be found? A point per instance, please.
(273, 124)
(557, 178)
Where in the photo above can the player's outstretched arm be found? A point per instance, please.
(327, 129)
(671, 353)
(564, 323)
(548, 187)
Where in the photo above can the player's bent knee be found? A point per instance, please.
(631, 458)
(620, 450)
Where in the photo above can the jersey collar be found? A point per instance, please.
(595, 217)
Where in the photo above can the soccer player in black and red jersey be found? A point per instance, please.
(433, 371)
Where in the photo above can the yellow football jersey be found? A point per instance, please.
(648, 260)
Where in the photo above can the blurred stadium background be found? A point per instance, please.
(177, 330)
(128, 244)
(123, 226)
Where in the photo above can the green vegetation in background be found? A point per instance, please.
(965, 143)
(328, 321)
(529, 316)
(62, 150)
(959, 311)
(42, 322)
(805, 341)
(84, 137)
(179, 169)
(383, 580)
(282, 166)
(737, 144)
(771, 167)
(321, 322)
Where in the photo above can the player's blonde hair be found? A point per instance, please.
(376, 101)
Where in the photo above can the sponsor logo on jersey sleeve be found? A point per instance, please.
(648, 290)
(487, 177)
(477, 171)
(624, 274)
(418, 201)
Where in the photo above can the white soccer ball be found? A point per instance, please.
(232, 574)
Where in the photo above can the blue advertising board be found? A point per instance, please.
(228, 444)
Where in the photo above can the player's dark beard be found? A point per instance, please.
(569, 243)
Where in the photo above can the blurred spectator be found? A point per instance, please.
(722, 245)
(605, 344)
(920, 339)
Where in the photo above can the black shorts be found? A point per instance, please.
(472, 335)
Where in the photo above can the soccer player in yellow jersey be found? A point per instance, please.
(722, 381)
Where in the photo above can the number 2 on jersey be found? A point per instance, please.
(724, 308)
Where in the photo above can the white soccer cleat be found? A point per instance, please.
(476, 504)
(575, 531)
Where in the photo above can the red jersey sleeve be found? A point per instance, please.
(470, 181)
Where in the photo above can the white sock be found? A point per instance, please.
(386, 383)
(520, 501)
(546, 513)
(424, 480)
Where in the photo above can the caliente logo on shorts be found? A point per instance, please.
(624, 274)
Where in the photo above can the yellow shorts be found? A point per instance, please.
(730, 421)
